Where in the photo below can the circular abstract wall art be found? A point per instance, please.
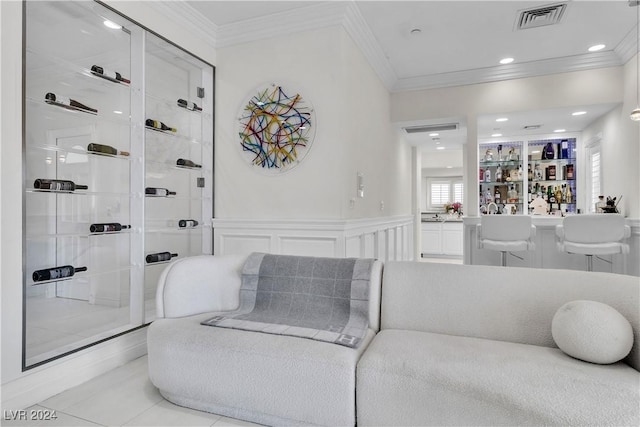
(276, 128)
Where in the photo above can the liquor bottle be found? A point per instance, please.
(187, 223)
(105, 149)
(569, 196)
(481, 175)
(188, 105)
(160, 256)
(537, 172)
(57, 185)
(565, 149)
(72, 104)
(512, 195)
(500, 152)
(487, 175)
(529, 173)
(499, 174)
(105, 73)
(56, 273)
(570, 171)
(107, 227)
(497, 196)
(187, 163)
(481, 197)
(489, 196)
(520, 174)
(153, 191)
(548, 151)
(155, 124)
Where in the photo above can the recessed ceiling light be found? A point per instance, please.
(439, 148)
(578, 113)
(502, 119)
(112, 25)
(117, 112)
(596, 47)
(495, 135)
(560, 130)
(506, 60)
(434, 134)
(449, 167)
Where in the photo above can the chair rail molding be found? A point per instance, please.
(384, 238)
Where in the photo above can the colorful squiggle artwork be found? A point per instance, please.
(276, 128)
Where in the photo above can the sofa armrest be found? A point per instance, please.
(199, 284)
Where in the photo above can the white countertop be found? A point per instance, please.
(543, 220)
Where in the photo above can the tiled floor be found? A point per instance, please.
(122, 397)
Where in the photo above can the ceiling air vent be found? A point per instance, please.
(431, 128)
(540, 16)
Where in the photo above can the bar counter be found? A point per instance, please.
(546, 253)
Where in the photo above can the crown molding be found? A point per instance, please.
(188, 17)
(511, 71)
(629, 46)
(356, 26)
(293, 21)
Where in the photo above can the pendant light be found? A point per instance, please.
(635, 114)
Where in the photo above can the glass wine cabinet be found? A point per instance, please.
(514, 174)
(118, 172)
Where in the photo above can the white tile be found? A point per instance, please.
(34, 415)
(167, 414)
(119, 403)
(97, 385)
(231, 422)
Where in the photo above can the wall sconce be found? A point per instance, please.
(360, 185)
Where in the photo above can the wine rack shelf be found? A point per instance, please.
(516, 173)
(87, 145)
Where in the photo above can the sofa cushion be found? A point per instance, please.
(268, 379)
(422, 378)
(592, 331)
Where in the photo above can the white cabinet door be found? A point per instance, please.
(431, 238)
(452, 238)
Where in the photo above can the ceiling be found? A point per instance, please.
(452, 43)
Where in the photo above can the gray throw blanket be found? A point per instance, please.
(324, 299)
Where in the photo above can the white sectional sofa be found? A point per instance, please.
(473, 345)
(263, 378)
(452, 345)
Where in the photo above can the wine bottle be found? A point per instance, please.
(72, 104)
(105, 149)
(187, 163)
(188, 105)
(107, 227)
(57, 185)
(105, 73)
(159, 125)
(160, 256)
(549, 152)
(153, 191)
(187, 223)
(56, 273)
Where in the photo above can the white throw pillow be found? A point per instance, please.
(592, 331)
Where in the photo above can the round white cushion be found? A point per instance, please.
(592, 331)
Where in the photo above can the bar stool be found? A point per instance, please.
(593, 234)
(506, 233)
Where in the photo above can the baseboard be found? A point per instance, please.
(55, 377)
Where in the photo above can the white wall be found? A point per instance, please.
(600, 86)
(620, 142)
(353, 133)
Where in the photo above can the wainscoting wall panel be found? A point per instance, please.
(387, 238)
